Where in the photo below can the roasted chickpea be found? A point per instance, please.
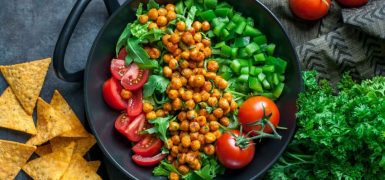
(165, 40)
(170, 7)
(143, 19)
(204, 129)
(211, 75)
(170, 158)
(225, 121)
(218, 112)
(197, 26)
(176, 83)
(228, 96)
(212, 117)
(197, 97)
(205, 95)
(182, 116)
(216, 93)
(167, 57)
(209, 149)
(186, 141)
(187, 73)
(190, 104)
(175, 38)
(173, 94)
(173, 176)
(212, 66)
(224, 104)
(147, 107)
(212, 101)
(207, 86)
(167, 71)
(217, 133)
(195, 145)
(199, 81)
(173, 64)
(151, 115)
(184, 125)
(201, 120)
(190, 158)
(198, 38)
(177, 104)
(187, 95)
(210, 137)
(125, 94)
(233, 105)
(199, 57)
(177, 53)
(207, 52)
(194, 127)
(175, 139)
(192, 65)
(201, 139)
(183, 169)
(222, 84)
(169, 143)
(184, 64)
(153, 14)
(171, 15)
(181, 26)
(185, 54)
(154, 53)
(176, 74)
(162, 12)
(160, 113)
(182, 156)
(214, 125)
(152, 26)
(197, 165)
(171, 47)
(173, 126)
(194, 136)
(191, 115)
(206, 42)
(161, 21)
(167, 106)
(203, 112)
(205, 26)
(187, 37)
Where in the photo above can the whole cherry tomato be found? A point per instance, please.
(310, 9)
(352, 3)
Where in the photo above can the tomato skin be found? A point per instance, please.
(122, 122)
(148, 161)
(132, 131)
(252, 110)
(134, 78)
(135, 103)
(352, 3)
(118, 68)
(122, 54)
(111, 94)
(153, 144)
(310, 9)
(230, 155)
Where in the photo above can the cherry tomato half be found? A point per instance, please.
(232, 156)
(352, 3)
(134, 78)
(122, 122)
(148, 161)
(310, 9)
(135, 103)
(118, 68)
(148, 146)
(111, 94)
(254, 109)
(134, 128)
(122, 54)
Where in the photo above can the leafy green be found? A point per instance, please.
(164, 169)
(339, 136)
(160, 127)
(155, 82)
(152, 4)
(209, 171)
(139, 11)
(123, 38)
(153, 35)
(139, 55)
(138, 30)
(191, 16)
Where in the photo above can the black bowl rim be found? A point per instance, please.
(88, 65)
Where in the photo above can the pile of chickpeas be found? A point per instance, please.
(197, 97)
(159, 17)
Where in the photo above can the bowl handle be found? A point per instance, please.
(65, 36)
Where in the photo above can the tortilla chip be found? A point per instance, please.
(50, 166)
(26, 81)
(13, 156)
(12, 114)
(50, 124)
(43, 150)
(60, 104)
(79, 170)
(83, 145)
(94, 165)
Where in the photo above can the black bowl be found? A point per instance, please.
(101, 117)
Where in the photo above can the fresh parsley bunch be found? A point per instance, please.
(339, 136)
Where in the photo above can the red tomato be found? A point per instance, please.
(148, 161)
(122, 122)
(255, 109)
(122, 54)
(352, 3)
(230, 154)
(134, 128)
(118, 68)
(111, 94)
(310, 9)
(134, 78)
(135, 104)
(147, 147)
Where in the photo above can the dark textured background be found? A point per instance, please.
(29, 30)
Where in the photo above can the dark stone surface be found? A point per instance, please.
(29, 30)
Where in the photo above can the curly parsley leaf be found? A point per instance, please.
(160, 127)
(164, 169)
(155, 83)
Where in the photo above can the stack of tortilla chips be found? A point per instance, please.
(59, 138)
